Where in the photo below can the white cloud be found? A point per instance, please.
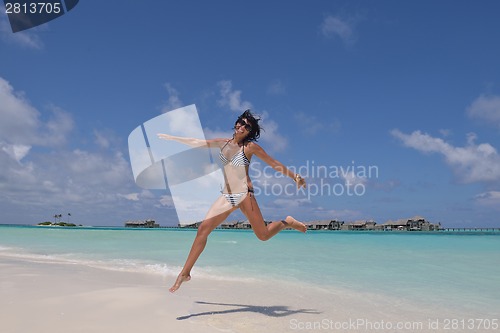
(445, 132)
(352, 179)
(270, 134)
(96, 187)
(174, 101)
(101, 140)
(166, 200)
(311, 125)
(28, 39)
(89, 183)
(57, 128)
(486, 108)
(276, 87)
(84, 180)
(344, 215)
(16, 152)
(472, 163)
(489, 199)
(20, 122)
(335, 26)
(232, 98)
(130, 196)
(213, 134)
(16, 179)
(18, 119)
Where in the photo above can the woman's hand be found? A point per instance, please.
(301, 182)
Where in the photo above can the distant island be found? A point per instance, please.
(58, 224)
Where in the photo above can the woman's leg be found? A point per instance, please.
(251, 209)
(205, 228)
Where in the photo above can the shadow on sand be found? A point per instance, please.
(270, 311)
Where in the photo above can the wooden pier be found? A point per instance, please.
(472, 229)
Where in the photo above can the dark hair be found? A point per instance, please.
(253, 121)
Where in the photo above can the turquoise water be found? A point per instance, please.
(449, 269)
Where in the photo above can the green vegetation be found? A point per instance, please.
(45, 223)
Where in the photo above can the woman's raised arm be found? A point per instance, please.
(193, 142)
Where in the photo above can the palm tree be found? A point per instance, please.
(69, 214)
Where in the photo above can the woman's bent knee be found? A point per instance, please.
(262, 236)
(204, 230)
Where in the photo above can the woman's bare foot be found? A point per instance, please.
(180, 279)
(293, 223)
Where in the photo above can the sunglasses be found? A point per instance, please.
(241, 122)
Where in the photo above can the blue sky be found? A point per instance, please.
(410, 88)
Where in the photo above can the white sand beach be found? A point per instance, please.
(47, 297)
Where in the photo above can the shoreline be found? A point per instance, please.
(443, 230)
(76, 298)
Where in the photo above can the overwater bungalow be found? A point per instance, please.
(246, 224)
(416, 223)
(324, 225)
(191, 225)
(229, 225)
(150, 223)
(360, 225)
(318, 225)
(395, 225)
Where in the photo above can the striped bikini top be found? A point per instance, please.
(238, 159)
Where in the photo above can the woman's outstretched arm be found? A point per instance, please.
(193, 142)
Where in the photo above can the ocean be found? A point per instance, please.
(458, 271)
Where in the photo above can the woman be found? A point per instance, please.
(235, 155)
